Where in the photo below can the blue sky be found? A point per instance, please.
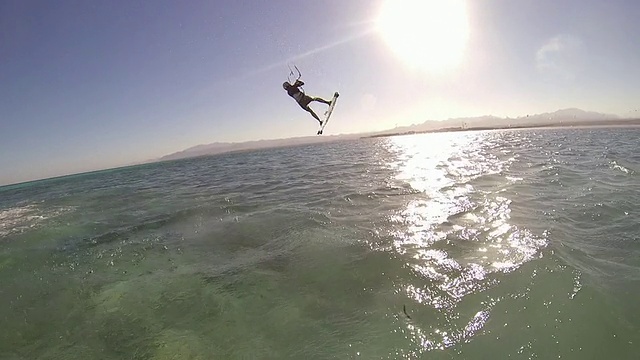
(87, 85)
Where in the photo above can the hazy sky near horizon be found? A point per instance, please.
(92, 84)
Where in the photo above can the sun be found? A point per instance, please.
(429, 35)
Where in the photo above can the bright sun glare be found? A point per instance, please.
(430, 35)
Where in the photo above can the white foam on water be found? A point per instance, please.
(615, 166)
(17, 220)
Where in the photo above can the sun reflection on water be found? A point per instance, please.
(455, 231)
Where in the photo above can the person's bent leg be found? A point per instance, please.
(322, 100)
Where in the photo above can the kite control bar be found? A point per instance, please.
(292, 74)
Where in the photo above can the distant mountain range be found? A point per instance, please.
(564, 117)
(221, 147)
(558, 118)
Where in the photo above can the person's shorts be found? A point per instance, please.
(304, 101)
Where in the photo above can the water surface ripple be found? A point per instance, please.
(470, 245)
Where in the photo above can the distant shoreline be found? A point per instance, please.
(577, 125)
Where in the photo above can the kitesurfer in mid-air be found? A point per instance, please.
(303, 99)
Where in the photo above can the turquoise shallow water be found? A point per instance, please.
(498, 244)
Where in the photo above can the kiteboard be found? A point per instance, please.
(328, 112)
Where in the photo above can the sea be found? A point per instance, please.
(506, 244)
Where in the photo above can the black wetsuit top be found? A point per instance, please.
(294, 91)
